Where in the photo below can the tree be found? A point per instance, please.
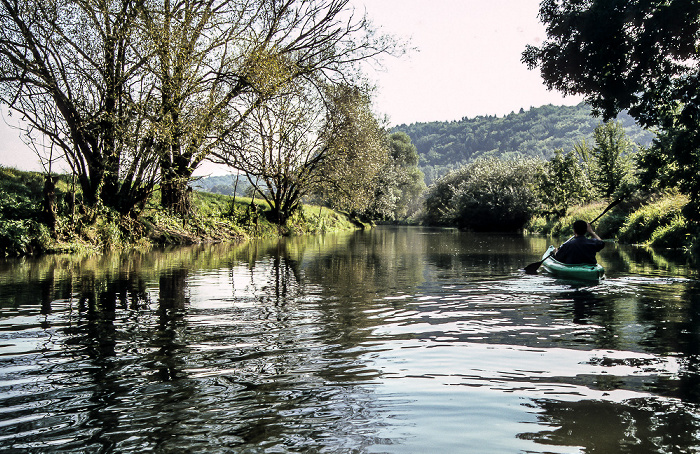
(611, 158)
(218, 61)
(130, 88)
(400, 182)
(562, 182)
(639, 55)
(357, 150)
(71, 70)
(303, 142)
(487, 194)
(280, 148)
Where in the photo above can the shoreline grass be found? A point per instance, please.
(215, 218)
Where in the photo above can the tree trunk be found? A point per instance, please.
(176, 195)
(49, 211)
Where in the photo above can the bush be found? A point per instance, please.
(664, 214)
(672, 235)
(487, 194)
(22, 236)
(561, 183)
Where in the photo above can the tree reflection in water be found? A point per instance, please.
(351, 343)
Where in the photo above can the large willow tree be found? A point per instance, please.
(139, 91)
(71, 70)
(306, 141)
(218, 61)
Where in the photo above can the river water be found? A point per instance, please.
(399, 340)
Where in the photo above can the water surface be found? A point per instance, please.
(394, 340)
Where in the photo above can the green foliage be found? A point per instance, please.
(357, 151)
(214, 218)
(399, 184)
(562, 183)
(672, 235)
(22, 236)
(638, 56)
(607, 226)
(611, 159)
(538, 133)
(488, 194)
(659, 221)
(20, 213)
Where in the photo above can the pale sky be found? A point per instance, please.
(467, 64)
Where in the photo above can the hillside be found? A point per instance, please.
(221, 184)
(538, 132)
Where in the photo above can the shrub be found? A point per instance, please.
(672, 235)
(561, 183)
(642, 223)
(22, 236)
(487, 194)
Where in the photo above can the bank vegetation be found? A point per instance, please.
(546, 197)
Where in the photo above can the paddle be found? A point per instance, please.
(533, 267)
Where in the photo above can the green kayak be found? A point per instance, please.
(581, 271)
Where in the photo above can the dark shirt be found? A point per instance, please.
(579, 250)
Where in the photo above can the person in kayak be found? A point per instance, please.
(580, 249)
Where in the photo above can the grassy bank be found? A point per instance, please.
(658, 222)
(25, 229)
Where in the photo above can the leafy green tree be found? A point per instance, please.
(357, 150)
(438, 209)
(400, 182)
(487, 194)
(639, 55)
(611, 158)
(562, 183)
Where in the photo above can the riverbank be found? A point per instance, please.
(657, 222)
(26, 229)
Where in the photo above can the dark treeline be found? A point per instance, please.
(536, 133)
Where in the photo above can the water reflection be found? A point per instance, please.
(392, 340)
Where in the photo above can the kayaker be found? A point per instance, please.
(580, 249)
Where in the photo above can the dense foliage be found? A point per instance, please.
(21, 225)
(538, 132)
(563, 182)
(487, 194)
(134, 95)
(640, 56)
(400, 181)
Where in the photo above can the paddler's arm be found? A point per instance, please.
(592, 233)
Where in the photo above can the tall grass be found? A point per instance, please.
(214, 218)
(659, 223)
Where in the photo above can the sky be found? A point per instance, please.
(466, 64)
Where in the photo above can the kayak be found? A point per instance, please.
(579, 271)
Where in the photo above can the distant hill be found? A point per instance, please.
(538, 132)
(221, 184)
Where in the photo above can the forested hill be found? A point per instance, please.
(443, 146)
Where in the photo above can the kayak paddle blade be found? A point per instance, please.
(533, 267)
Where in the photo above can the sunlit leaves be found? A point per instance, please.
(639, 55)
(487, 194)
(357, 150)
(562, 183)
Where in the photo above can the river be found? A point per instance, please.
(398, 340)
